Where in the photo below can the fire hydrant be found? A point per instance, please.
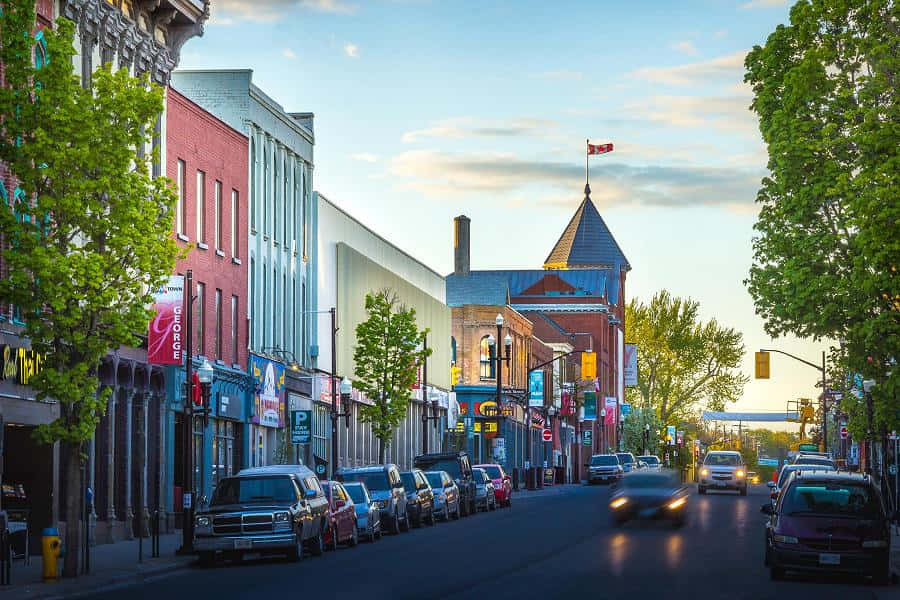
(51, 550)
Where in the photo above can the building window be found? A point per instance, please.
(319, 431)
(235, 224)
(306, 204)
(218, 208)
(251, 294)
(234, 330)
(226, 447)
(262, 307)
(285, 329)
(180, 225)
(305, 341)
(486, 358)
(287, 205)
(201, 207)
(297, 205)
(40, 51)
(276, 187)
(218, 323)
(452, 349)
(294, 317)
(253, 186)
(275, 340)
(265, 189)
(199, 318)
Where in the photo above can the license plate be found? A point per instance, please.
(829, 559)
(648, 512)
(243, 544)
(721, 484)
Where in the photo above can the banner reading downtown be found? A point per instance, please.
(165, 335)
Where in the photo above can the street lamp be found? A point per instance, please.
(646, 438)
(434, 403)
(499, 358)
(603, 430)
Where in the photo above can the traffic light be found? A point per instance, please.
(762, 365)
(588, 365)
(455, 374)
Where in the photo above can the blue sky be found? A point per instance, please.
(426, 109)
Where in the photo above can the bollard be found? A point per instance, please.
(5, 556)
(155, 533)
(51, 549)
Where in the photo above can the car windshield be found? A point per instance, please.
(722, 460)
(607, 460)
(478, 475)
(786, 472)
(435, 480)
(246, 490)
(493, 472)
(449, 465)
(830, 499)
(812, 460)
(650, 460)
(374, 480)
(626, 457)
(409, 482)
(356, 493)
(648, 480)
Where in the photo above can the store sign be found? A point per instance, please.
(269, 394)
(20, 364)
(631, 369)
(229, 406)
(587, 437)
(165, 333)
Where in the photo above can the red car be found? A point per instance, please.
(502, 485)
(342, 526)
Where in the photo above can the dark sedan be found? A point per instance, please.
(828, 522)
(419, 497)
(650, 495)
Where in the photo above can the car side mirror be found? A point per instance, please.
(767, 509)
(771, 485)
(310, 494)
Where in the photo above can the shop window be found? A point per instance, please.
(486, 353)
(253, 186)
(218, 324)
(235, 223)
(180, 225)
(199, 317)
(201, 207)
(234, 330)
(217, 224)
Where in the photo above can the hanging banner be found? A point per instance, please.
(611, 410)
(165, 332)
(590, 406)
(269, 396)
(536, 389)
(631, 369)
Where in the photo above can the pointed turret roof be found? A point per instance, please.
(586, 242)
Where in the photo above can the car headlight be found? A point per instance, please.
(740, 473)
(201, 522)
(618, 502)
(704, 472)
(786, 539)
(282, 517)
(678, 503)
(875, 544)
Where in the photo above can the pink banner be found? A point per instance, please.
(165, 335)
(611, 410)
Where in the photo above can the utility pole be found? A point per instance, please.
(187, 425)
(334, 393)
(425, 395)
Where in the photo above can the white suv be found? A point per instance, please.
(723, 470)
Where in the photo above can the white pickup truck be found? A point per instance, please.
(723, 470)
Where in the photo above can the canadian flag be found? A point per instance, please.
(599, 148)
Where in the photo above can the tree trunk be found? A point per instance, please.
(72, 509)
(380, 451)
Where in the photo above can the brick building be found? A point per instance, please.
(207, 160)
(575, 303)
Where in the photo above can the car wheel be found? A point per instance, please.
(509, 500)
(882, 572)
(456, 512)
(295, 554)
(207, 559)
(744, 491)
(404, 526)
(354, 539)
(431, 520)
(317, 544)
(494, 504)
(395, 524)
(333, 543)
(701, 490)
(776, 573)
(472, 508)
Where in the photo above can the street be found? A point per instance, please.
(557, 543)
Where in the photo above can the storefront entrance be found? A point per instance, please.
(28, 468)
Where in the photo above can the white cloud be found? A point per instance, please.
(365, 157)
(351, 50)
(502, 176)
(685, 47)
(721, 34)
(330, 6)
(227, 12)
(723, 68)
(726, 113)
(763, 3)
(289, 54)
(468, 127)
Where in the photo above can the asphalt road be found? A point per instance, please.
(556, 543)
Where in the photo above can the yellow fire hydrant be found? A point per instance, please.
(51, 549)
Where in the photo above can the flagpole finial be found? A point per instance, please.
(587, 191)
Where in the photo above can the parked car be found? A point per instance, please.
(723, 470)
(419, 497)
(650, 495)
(753, 477)
(386, 488)
(822, 460)
(368, 517)
(485, 496)
(606, 468)
(785, 474)
(459, 467)
(342, 524)
(627, 461)
(501, 481)
(446, 494)
(829, 522)
(266, 510)
(651, 461)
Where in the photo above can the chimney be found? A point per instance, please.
(461, 245)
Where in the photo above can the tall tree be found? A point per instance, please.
(387, 355)
(827, 251)
(86, 234)
(683, 363)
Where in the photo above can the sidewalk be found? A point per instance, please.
(111, 564)
(895, 551)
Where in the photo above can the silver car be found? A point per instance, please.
(484, 490)
(723, 470)
(651, 461)
(606, 468)
(446, 495)
(368, 517)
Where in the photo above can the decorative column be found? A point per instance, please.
(128, 515)
(111, 461)
(162, 461)
(143, 430)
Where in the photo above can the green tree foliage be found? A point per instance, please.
(634, 428)
(827, 251)
(683, 363)
(87, 234)
(388, 353)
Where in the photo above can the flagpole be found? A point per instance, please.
(587, 171)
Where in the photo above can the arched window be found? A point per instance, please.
(40, 50)
(452, 349)
(486, 355)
